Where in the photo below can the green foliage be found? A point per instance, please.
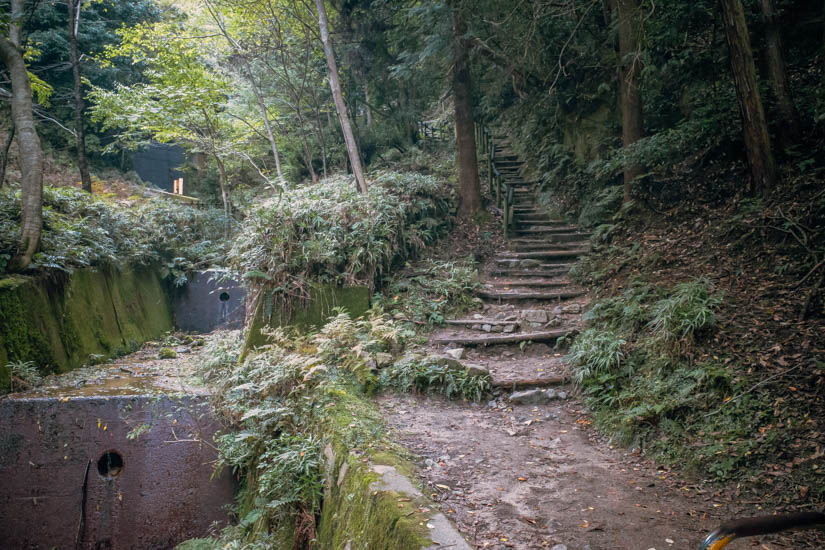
(431, 290)
(278, 402)
(82, 230)
(330, 233)
(435, 377)
(23, 375)
(596, 352)
(685, 312)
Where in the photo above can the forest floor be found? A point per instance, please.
(539, 474)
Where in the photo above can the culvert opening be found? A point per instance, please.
(110, 464)
(224, 297)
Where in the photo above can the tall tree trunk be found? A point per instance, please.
(31, 156)
(789, 124)
(630, 68)
(754, 127)
(367, 103)
(468, 184)
(338, 96)
(73, 7)
(262, 106)
(224, 194)
(4, 160)
(217, 16)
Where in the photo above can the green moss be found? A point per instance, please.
(167, 353)
(357, 509)
(322, 299)
(58, 325)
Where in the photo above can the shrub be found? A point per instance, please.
(330, 233)
(596, 352)
(82, 230)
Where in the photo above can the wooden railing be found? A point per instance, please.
(500, 188)
(428, 129)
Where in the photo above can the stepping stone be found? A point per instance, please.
(493, 339)
(507, 295)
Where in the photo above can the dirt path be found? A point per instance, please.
(532, 477)
(527, 470)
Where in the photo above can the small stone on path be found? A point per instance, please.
(456, 353)
(534, 397)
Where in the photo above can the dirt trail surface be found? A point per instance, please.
(526, 470)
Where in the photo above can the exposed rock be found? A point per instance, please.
(529, 263)
(383, 359)
(511, 317)
(456, 353)
(478, 316)
(554, 322)
(559, 547)
(498, 328)
(476, 327)
(509, 328)
(535, 315)
(572, 308)
(535, 325)
(476, 370)
(486, 328)
(533, 397)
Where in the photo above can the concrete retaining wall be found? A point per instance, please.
(60, 325)
(150, 491)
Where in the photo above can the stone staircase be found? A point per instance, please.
(526, 295)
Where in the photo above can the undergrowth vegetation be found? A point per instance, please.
(431, 290)
(640, 372)
(330, 233)
(82, 230)
(284, 403)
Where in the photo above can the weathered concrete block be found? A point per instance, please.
(54, 450)
(210, 301)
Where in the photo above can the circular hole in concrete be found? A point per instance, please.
(224, 297)
(110, 464)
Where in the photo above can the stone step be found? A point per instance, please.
(494, 339)
(531, 283)
(549, 245)
(527, 294)
(525, 383)
(548, 229)
(542, 254)
(526, 273)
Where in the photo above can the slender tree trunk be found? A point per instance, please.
(73, 7)
(630, 68)
(268, 126)
(224, 194)
(217, 16)
(305, 143)
(338, 96)
(754, 126)
(31, 156)
(367, 103)
(789, 123)
(465, 135)
(320, 131)
(4, 161)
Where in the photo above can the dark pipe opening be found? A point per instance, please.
(110, 464)
(224, 297)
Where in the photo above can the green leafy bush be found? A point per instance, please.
(82, 230)
(331, 233)
(431, 290)
(688, 310)
(433, 377)
(277, 402)
(596, 352)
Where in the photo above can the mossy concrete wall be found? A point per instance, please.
(311, 312)
(58, 325)
(371, 498)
